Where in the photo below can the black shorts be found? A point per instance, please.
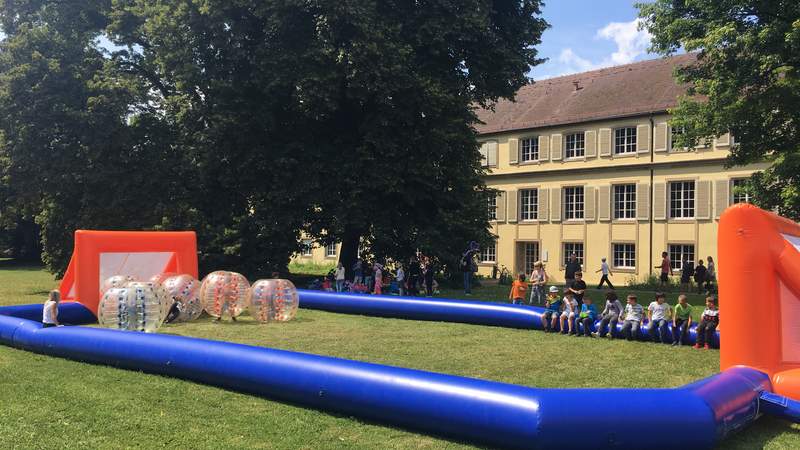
(664, 277)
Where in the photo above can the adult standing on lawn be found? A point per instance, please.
(400, 278)
(539, 280)
(570, 269)
(468, 266)
(700, 276)
(430, 270)
(358, 271)
(413, 275)
(340, 276)
(711, 275)
(606, 273)
(665, 268)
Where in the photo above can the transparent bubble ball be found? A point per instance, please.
(138, 306)
(185, 289)
(273, 300)
(224, 291)
(117, 281)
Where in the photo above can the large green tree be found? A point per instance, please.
(746, 81)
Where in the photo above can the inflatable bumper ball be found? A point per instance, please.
(224, 291)
(137, 306)
(185, 289)
(273, 300)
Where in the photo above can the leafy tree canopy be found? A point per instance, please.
(746, 81)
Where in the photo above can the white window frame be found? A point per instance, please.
(491, 205)
(529, 205)
(676, 252)
(626, 198)
(529, 149)
(570, 247)
(530, 254)
(625, 141)
(739, 198)
(488, 254)
(574, 202)
(328, 253)
(686, 207)
(623, 255)
(308, 248)
(575, 145)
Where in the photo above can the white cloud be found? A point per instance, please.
(630, 42)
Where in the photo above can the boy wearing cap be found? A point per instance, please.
(552, 308)
(632, 318)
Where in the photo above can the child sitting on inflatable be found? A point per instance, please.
(708, 324)
(552, 308)
(569, 313)
(632, 318)
(586, 318)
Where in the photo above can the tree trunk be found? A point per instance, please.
(349, 250)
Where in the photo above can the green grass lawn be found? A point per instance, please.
(54, 403)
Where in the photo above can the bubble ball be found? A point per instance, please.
(186, 290)
(116, 281)
(273, 300)
(138, 306)
(223, 291)
(159, 278)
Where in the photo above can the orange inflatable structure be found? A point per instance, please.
(99, 255)
(759, 295)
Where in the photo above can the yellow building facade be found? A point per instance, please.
(602, 181)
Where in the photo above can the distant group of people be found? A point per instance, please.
(411, 278)
(704, 275)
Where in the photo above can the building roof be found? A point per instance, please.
(640, 88)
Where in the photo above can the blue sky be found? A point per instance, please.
(589, 34)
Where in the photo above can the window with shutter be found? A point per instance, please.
(491, 154)
(555, 205)
(512, 206)
(543, 204)
(591, 144)
(555, 147)
(574, 203)
(643, 201)
(625, 140)
(513, 151)
(703, 207)
(721, 197)
(660, 137)
(491, 206)
(659, 201)
(544, 148)
(528, 205)
(529, 149)
(682, 199)
(643, 138)
(604, 203)
(588, 203)
(624, 201)
(604, 141)
(501, 206)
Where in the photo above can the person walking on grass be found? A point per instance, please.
(50, 309)
(340, 276)
(681, 321)
(570, 269)
(538, 282)
(665, 268)
(518, 288)
(606, 273)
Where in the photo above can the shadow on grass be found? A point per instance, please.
(22, 266)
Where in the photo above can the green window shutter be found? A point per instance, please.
(591, 144)
(604, 141)
(555, 205)
(555, 147)
(512, 206)
(660, 201)
(643, 201)
(660, 137)
(643, 138)
(722, 197)
(513, 151)
(604, 203)
(544, 148)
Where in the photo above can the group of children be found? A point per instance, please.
(373, 278)
(575, 314)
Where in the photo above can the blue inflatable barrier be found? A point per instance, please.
(69, 313)
(443, 310)
(698, 415)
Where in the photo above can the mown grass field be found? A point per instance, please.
(53, 403)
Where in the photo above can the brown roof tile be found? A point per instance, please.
(639, 88)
